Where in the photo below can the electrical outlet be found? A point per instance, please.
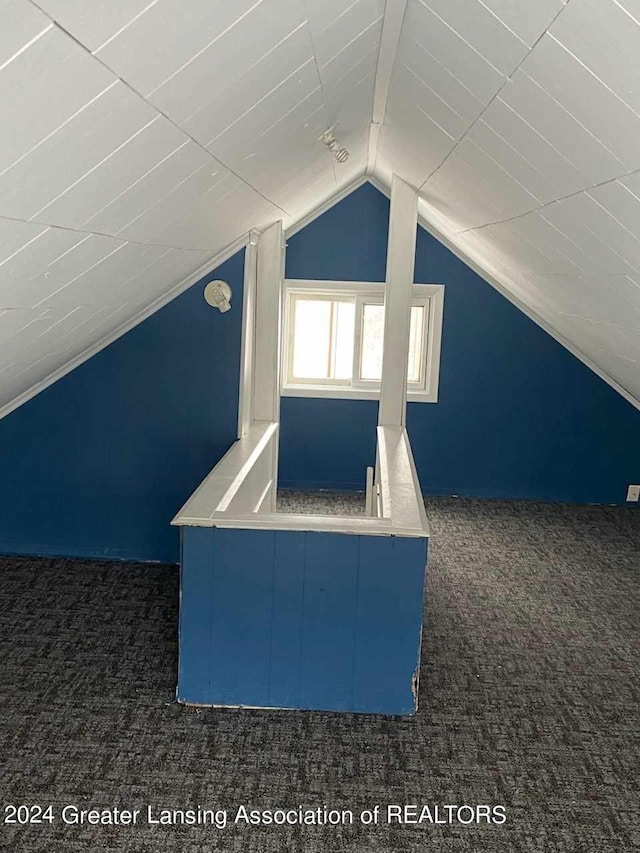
(633, 493)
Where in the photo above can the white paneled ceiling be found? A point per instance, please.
(148, 136)
(145, 138)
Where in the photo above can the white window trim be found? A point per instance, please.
(430, 295)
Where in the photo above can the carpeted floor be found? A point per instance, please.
(321, 503)
(529, 697)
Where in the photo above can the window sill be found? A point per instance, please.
(336, 393)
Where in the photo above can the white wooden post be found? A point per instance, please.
(245, 397)
(370, 503)
(266, 373)
(401, 250)
(266, 361)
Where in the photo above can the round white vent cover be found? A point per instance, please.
(218, 294)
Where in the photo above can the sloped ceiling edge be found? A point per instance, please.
(175, 290)
(427, 219)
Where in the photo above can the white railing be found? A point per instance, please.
(399, 493)
(240, 491)
(242, 482)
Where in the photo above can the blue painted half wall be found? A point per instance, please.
(518, 416)
(98, 464)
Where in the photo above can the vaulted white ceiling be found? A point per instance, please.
(142, 138)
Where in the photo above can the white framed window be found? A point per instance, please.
(333, 339)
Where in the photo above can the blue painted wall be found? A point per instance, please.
(99, 463)
(518, 416)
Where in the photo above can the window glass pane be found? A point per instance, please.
(312, 339)
(344, 319)
(372, 343)
(372, 337)
(323, 339)
(414, 366)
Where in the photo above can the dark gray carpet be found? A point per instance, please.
(321, 503)
(529, 698)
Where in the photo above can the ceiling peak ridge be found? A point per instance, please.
(392, 23)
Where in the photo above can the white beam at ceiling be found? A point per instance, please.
(266, 373)
(247, 353)
(391, 27)
(401, 252)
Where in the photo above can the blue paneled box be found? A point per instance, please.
(299, 619)
(295, 611)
